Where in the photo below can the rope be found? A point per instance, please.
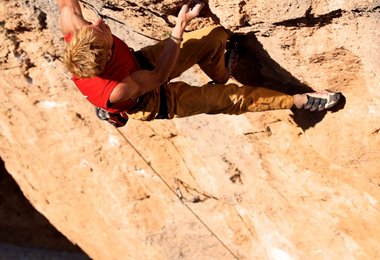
(93, 8)
(177, 195)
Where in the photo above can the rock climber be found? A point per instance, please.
(120, 82)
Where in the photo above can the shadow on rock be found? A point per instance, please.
(257, 68)
(23, 226)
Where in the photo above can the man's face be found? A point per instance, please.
(103, 30)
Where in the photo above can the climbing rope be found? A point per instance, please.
(106, 17)
(177, 195)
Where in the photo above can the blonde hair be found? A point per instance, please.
(86, 54)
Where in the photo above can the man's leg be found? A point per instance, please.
(205, 47)
(185, 100)
(181, 100)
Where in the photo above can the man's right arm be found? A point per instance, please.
(71, 17)
(143, 81)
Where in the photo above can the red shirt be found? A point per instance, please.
(98, 89)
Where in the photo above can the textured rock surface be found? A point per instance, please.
(272, 185)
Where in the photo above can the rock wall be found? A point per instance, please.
(273, 185)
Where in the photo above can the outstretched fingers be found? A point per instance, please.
(198, 5)
(191, 10)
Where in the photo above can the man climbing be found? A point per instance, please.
(122, 83)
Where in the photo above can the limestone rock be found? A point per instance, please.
(273, 185)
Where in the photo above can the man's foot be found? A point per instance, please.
(317, 101)
(231, 57)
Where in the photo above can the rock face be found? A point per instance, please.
(273, 185)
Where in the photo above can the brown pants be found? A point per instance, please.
(206, 47)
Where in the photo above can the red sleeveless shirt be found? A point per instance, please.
(98, 89)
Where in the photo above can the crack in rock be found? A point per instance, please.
(112, 7)
(366, 10)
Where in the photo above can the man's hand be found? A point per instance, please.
(187, 13)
